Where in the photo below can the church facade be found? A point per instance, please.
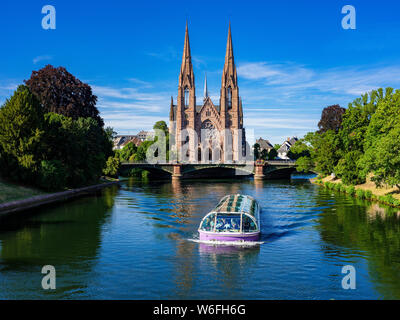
(207, 132)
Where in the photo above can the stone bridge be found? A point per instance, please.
(260, 170)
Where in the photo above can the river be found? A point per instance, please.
(136, 243)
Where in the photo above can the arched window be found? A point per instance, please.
(199, 154)
(186, 97)
(229, 97)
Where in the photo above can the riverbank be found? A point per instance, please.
(368, 190)
(16, 206)
(11, 192)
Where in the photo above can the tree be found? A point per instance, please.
(382, 138)
(331, 118)
(21, 133)
(112, 167)
(127, 151)
(81, 145)
(299, 149)
(264, 154)
(256, 150)
(324, 150)
(161, 125)
(348, 168)
(272, 154)
(304, 164)
(60, 92)
(384, 159)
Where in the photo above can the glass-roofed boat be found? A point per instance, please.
(235, 218)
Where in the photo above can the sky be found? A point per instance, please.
(293, 58)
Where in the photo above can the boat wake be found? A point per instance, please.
(228, 243)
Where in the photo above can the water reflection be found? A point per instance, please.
(133, 243)
(359, 228)
(35, 241)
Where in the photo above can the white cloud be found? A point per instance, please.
(41, 58)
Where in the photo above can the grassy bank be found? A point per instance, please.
(367, 191)
(11, 192)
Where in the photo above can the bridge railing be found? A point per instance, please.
(269, 162)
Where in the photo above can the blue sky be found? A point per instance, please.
(293, 57)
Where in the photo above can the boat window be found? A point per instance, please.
(227, 223)
(208, 223)
(248, 224)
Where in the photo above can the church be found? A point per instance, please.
(207, 132)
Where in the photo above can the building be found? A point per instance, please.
(120, 141)
(207, 131)
(145, 135)
(264, 145)
(285, 147)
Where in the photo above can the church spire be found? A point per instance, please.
(205, 88)
(229, 76)
(186, 78)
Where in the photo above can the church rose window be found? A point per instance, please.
(208, 130)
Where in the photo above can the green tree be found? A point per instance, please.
(324, 150)
(21, 132)
(272, 154)
(264, 154)
(304, 164)
(81, 145)
(381, 153)
(127, 151)
(256, 150)
(112, 167)
(161, 125)
(299, 149)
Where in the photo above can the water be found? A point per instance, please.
(137, 243)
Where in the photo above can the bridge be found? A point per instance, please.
(258, 169)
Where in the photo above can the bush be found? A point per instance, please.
(351, 190)
(112, 167)
(52, 175)
(337, 186)
(368, 194)
(360, 193)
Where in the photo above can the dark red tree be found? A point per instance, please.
(331, 118)
(60, 92)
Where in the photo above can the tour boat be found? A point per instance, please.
(235, 218)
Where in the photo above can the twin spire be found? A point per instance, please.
(229, 76)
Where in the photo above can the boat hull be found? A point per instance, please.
(210, 236)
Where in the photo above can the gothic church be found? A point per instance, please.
(208, 132)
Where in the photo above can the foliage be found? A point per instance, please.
(382, 156)
(81, 145)
(127, 151)
(21, 134)
(304, 164)
(264, 154)
(61, 92)
(52, 175)
(331, 118)
(348, 168)
(112, 166)
(272, 154)
(324, 150)
(256, 151)
(299, 149)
